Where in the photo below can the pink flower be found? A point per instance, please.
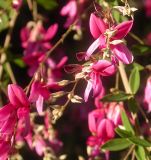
(113, 112)
(94, 118)
(38, 93)
(70, 10)
(100, 68)
(147, 96)
(11, 114)
(35, 41)
(100, 31)
(148, 8)
(102, 130)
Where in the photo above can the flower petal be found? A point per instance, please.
(122, 29)
(97, 26)
(52, 30)
(123, 53)
(17, 96)
(39, 105)
(87, 91)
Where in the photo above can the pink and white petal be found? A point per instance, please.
(9, 125)
(34, 92)
(92, 122)
(40, 146)
(23, 115)
(39, 105)
(92, 48)
(123, 29)
(62, 62)
(17, 96)
(52, 30)
(87, 91)
(122, 53)
(5, 112)
(97, 85)
(97, 26)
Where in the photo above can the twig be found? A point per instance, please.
(6, 45)
(124, 78)
(136, 38)
(129, 152)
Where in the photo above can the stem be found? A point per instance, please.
(117, 81)
(124, 78)
(60, 40)
(72, 92)
(136, 38)
(6, 45)
(35, 11)
(129, 152)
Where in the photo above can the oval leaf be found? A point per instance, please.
(126, 122)
(123, 133)
(116, 144)
(116, 97)
(140, 153)
(134, 80)
(140, 142)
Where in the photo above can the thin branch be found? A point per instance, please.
(129, 152)
(136, 38)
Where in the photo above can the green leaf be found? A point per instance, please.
(123, 133)
(141, 50)
(140, 153)
(48, 4)
(116, 144)
(116, 97)
(126, 122)
(19, 62)
(140, 142)
(134, 80)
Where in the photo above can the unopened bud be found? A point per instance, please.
(58, 94)
(63, 83)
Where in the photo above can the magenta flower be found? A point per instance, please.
(11, 114)
(35, 41)
(38, 93)
(147, 96)
(113, 112)
(70, 10)
(101, 32)
(100, 68)
(94, 118)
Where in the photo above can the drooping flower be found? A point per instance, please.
(110, 38)
(72, 10)
(11, 114)
(113, 112)
(98, 69)
(38, 93)
(35, 41)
